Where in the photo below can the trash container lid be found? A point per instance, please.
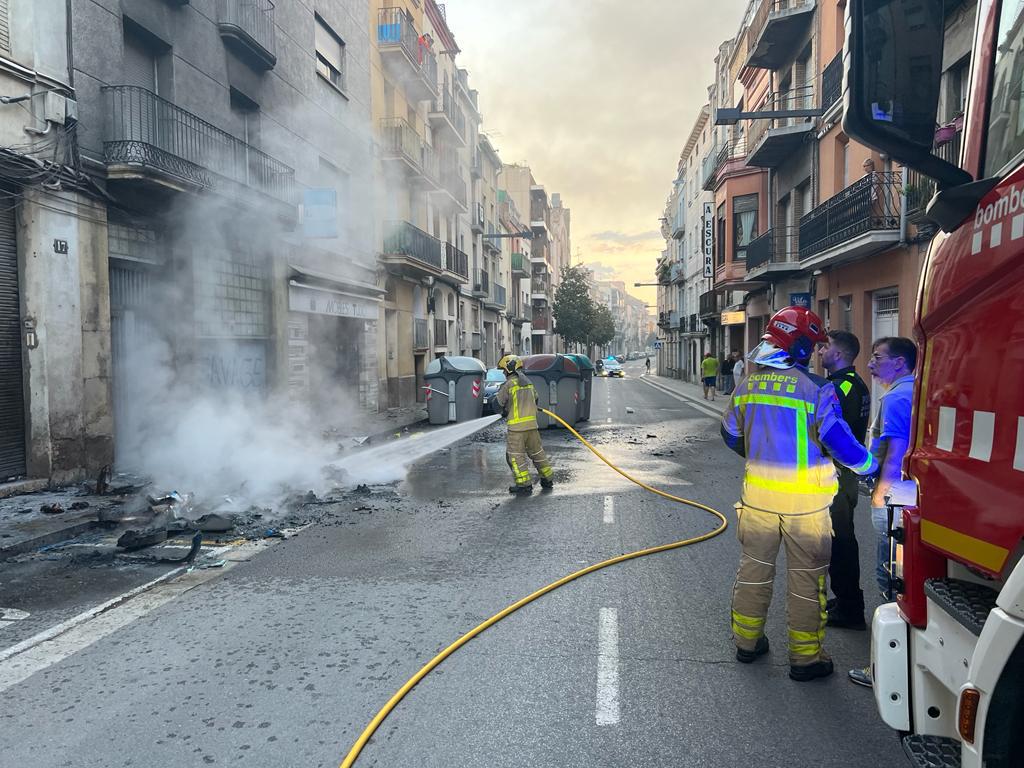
(548, 364)
(455, 364)
(582, 361)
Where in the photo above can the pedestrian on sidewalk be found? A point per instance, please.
(648, 364)
(788, 426)
(892, 364)
(709, 373)
(846, 610)
(725, 372)
(518, 400)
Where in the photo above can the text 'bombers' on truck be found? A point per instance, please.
(948, 655)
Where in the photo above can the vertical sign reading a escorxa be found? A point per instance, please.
(709, 239)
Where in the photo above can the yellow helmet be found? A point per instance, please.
(510, 363)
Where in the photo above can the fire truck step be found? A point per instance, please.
(932, 751)
(965, 601)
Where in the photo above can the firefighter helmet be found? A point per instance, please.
(510, 363)
(790, 338)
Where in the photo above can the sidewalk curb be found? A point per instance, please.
(687, 397)
(61, 534)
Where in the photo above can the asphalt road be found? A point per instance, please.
(283, 660)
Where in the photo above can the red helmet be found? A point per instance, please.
(794, 331)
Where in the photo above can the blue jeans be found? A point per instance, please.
(880, 521)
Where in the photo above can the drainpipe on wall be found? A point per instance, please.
(903, 216)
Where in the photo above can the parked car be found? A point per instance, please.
(493, 380)
(613, 367)
(620, 358)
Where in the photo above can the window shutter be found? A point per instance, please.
(5, 27)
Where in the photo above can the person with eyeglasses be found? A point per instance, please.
(892, 363)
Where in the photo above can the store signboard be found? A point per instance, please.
(734, 318)
(709, 239)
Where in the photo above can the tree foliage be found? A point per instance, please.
(602, 325)
(573, 308)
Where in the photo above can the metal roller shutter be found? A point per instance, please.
(12, 402)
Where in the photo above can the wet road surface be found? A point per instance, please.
(284, 660)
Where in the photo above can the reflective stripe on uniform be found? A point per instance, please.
(845, 387)
(791, 486)
(747, 627)
(776, 400)
(514, 417)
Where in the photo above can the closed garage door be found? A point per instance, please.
(12, 404)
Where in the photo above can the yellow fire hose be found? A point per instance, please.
(368, 732)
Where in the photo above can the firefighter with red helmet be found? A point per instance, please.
(786, 422)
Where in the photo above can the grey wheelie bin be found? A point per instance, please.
(557, 381)
(455, 389)
(586, 384)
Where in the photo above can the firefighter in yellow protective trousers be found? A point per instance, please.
(518, 400)
(788, 425)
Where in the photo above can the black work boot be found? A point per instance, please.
(841, 617)
(520, 490)
(547, 483)
(807, 672)
(745, 657)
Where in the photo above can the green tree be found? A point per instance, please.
(602, 326)
(573, 308)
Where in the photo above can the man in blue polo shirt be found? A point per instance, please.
(892, 364)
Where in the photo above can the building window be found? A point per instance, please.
(330, 55)
(846, 305)
(744, 223)
(719, 245)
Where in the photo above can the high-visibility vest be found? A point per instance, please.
(521, 399)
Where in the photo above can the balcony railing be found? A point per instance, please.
(251, 24)
(419, 334)
(541, 319)
(773, 30)
(399, 139)
(445, 105)
(801, 97)
(440, 333)
(540, 284)
(869, 204)
(734, 149)
(832, 82)
(144, 130)
(482, 284)
(456, 261)
(779, 245)
(395, 30)
(920, 188)
(402, 238)
(520, 264)
(498, 294)
(708, 303)
(707, 166)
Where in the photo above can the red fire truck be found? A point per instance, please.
(948, 655)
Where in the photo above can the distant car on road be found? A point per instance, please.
(613, 367)
(620, 358)
(492, 383)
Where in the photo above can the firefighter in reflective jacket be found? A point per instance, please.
(788, 425)
(518, 401)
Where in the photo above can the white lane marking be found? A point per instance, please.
(609, 420)
(608, 667)
(13, 614)
(609, 509)
(705, 409)
(982, 431)
(947, 428)
(53, 645)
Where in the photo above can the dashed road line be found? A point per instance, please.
(609, 509)
(608, 667)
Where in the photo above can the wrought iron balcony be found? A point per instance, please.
(498, 295)
(540, 285)
(773, 140)
(707, 166)
(777, 250)
(405, 244)
(446, 117)
(452, 182)
(150, 138)
(920, 188)
(776, 30)
(399, 141)
(864, 218)
(832, 82)
(482, 285)
(248, 27)
(708, 304)
(405, 54)
(456, 262)
(733, 150)
(419, 334)
(520, 265)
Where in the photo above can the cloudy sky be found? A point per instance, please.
(598, 98)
